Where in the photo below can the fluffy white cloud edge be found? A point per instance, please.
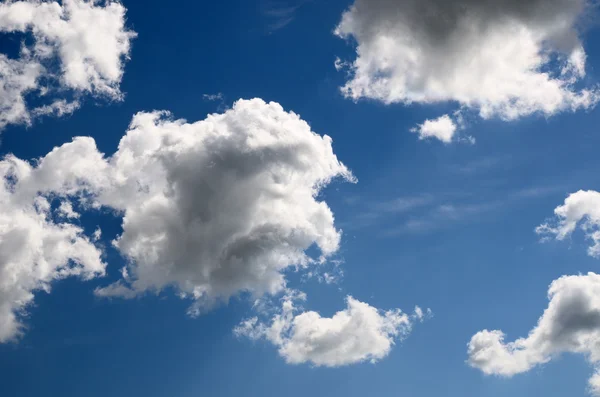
(442, 128)
(214, 208)
(70, 32)
(570, 324)
(356, 334)
(579, 208)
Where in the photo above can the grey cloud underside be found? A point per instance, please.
(438, 21)
(506, 59)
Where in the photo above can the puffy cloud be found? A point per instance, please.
(17, 77)
(89, 40)
(222, 205)
(570, 324)
(35, 248)
(356, 334)
(212, 208)
(503, 59)
(442, 128)
(66, 210)
(580, 207)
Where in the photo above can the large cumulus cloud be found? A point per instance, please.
(212, 208)
(222, 205)
(504, 59)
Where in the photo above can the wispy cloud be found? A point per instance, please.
(484, 164)
(213, 97)
(219, 98)
(427, 213)
(280, 13)
(377, 211)
(442, 216)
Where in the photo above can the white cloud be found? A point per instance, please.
(214, 97)
(580, 207)
(66, 210)
(507, 60)
(442, 128)
(17, 77)
(356, 334)
(213, 208)
(222, 205)
(59, 107)
(570, 324)
(36, 250)
(89, 40)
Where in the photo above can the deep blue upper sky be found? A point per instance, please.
(482, 268)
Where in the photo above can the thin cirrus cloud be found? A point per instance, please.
(356, 334)
(427, 213)
(500, 59)
(280, 13)
(87, 38)
(570, 324)
(212, 208)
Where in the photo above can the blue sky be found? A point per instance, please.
(448, 226)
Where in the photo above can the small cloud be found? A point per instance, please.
(442, 128)
(358, 333)
(97, 234)
(213, 97)
(219, 98)
(66, 210)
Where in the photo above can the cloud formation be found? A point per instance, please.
(37, 245)
(212, 208)
(356, 334)
(582, 207)
(442, 128)
(504, 59)
(570, 324)
(222, 205)
(79, 47)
